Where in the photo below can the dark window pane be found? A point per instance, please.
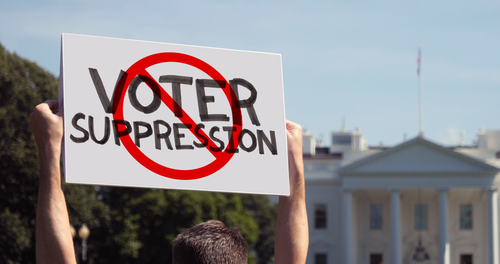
(465, 216)
(465, 259)
(421, 216)
(320, 258)
(376, 216)
(376, 258)
(320, 216)
(342, 140)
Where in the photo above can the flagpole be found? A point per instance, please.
(419, 72)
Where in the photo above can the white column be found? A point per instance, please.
(395, 227)
(347, 227)
(444, 243)
(492, 226)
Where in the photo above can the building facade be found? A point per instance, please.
(417, 202)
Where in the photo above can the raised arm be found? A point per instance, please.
(53, 237)
(292, 232)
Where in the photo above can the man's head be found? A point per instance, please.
(210, 242)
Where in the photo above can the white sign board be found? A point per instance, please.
(156, 115)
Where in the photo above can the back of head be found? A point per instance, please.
(210, 242)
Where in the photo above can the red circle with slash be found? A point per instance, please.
(139, 69)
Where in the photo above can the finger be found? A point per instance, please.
(293, 127)
(58, 113)
(53, 104)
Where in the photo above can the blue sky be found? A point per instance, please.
(352, 59)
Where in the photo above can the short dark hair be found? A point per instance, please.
(210, 242)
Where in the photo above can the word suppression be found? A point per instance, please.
(225, 138)
(162, 131)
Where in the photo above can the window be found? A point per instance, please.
(342, 140)
(420, 216)
(320, 258)
(320, 216)
(376, 258)
(465, 259)
(465, 216)
(376, 216)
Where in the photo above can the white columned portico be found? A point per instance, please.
(492, 226)
(395, 226)
(444, 243)
(347, 226)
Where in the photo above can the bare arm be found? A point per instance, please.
(53, 237)
(292, 232)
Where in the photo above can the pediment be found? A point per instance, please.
(418, 156)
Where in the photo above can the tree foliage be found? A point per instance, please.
(127, 225)
(22, 86)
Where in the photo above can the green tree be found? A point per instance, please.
(147, 221)
(265, 214)
(22, 86)
(84, 207)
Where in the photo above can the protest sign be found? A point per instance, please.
(156, 115)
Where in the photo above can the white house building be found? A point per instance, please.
(417, 202)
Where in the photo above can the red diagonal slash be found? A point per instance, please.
(185, 119)
(138, 69)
